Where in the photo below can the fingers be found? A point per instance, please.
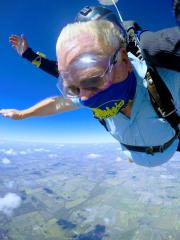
(23, 38)
(13, 37)
(6, 112)
(15, 41)
(24, 41)
(11, 113)
(19, 43)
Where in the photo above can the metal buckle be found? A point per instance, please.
(149, 150)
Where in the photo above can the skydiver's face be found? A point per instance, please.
(88, 81)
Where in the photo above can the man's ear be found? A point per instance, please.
(124, 59)
(123, 54)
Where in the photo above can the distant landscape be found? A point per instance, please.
(85, 192)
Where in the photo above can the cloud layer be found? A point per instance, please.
(94, 155)
(6, 161)
(9, 202)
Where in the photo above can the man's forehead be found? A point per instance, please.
(77, 47)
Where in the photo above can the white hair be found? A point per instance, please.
(101, 31)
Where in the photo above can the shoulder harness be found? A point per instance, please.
(162, 102)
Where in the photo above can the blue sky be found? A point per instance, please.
(23, 85)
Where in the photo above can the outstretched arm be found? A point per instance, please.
(46, 107)
(162, 48)
(19, 43)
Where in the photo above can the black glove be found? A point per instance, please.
(176, 8)
(131, 24)
(132, 29)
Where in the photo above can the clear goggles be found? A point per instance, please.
(72, 80)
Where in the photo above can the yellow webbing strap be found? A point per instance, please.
(37, 60)
(41, 54)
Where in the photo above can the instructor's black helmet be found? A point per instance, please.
(89, 13)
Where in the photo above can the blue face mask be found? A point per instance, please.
(110, 101)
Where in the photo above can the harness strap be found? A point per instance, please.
(161, 97)
(152, 149)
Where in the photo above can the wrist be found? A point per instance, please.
(25, 113)
(29, 54)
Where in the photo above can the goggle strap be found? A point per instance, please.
(114, 57)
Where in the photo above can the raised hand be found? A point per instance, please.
(19, 43)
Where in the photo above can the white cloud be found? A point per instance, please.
(9, 202)
(106, 220)
(93, 155)
(6, 161)
(167, 176)
(52, 155)
(41, 150)
(23, 152)
(10, 152)
(118, 159)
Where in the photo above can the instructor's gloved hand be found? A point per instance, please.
(176, 8)
(131, 24)
(132, 29)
